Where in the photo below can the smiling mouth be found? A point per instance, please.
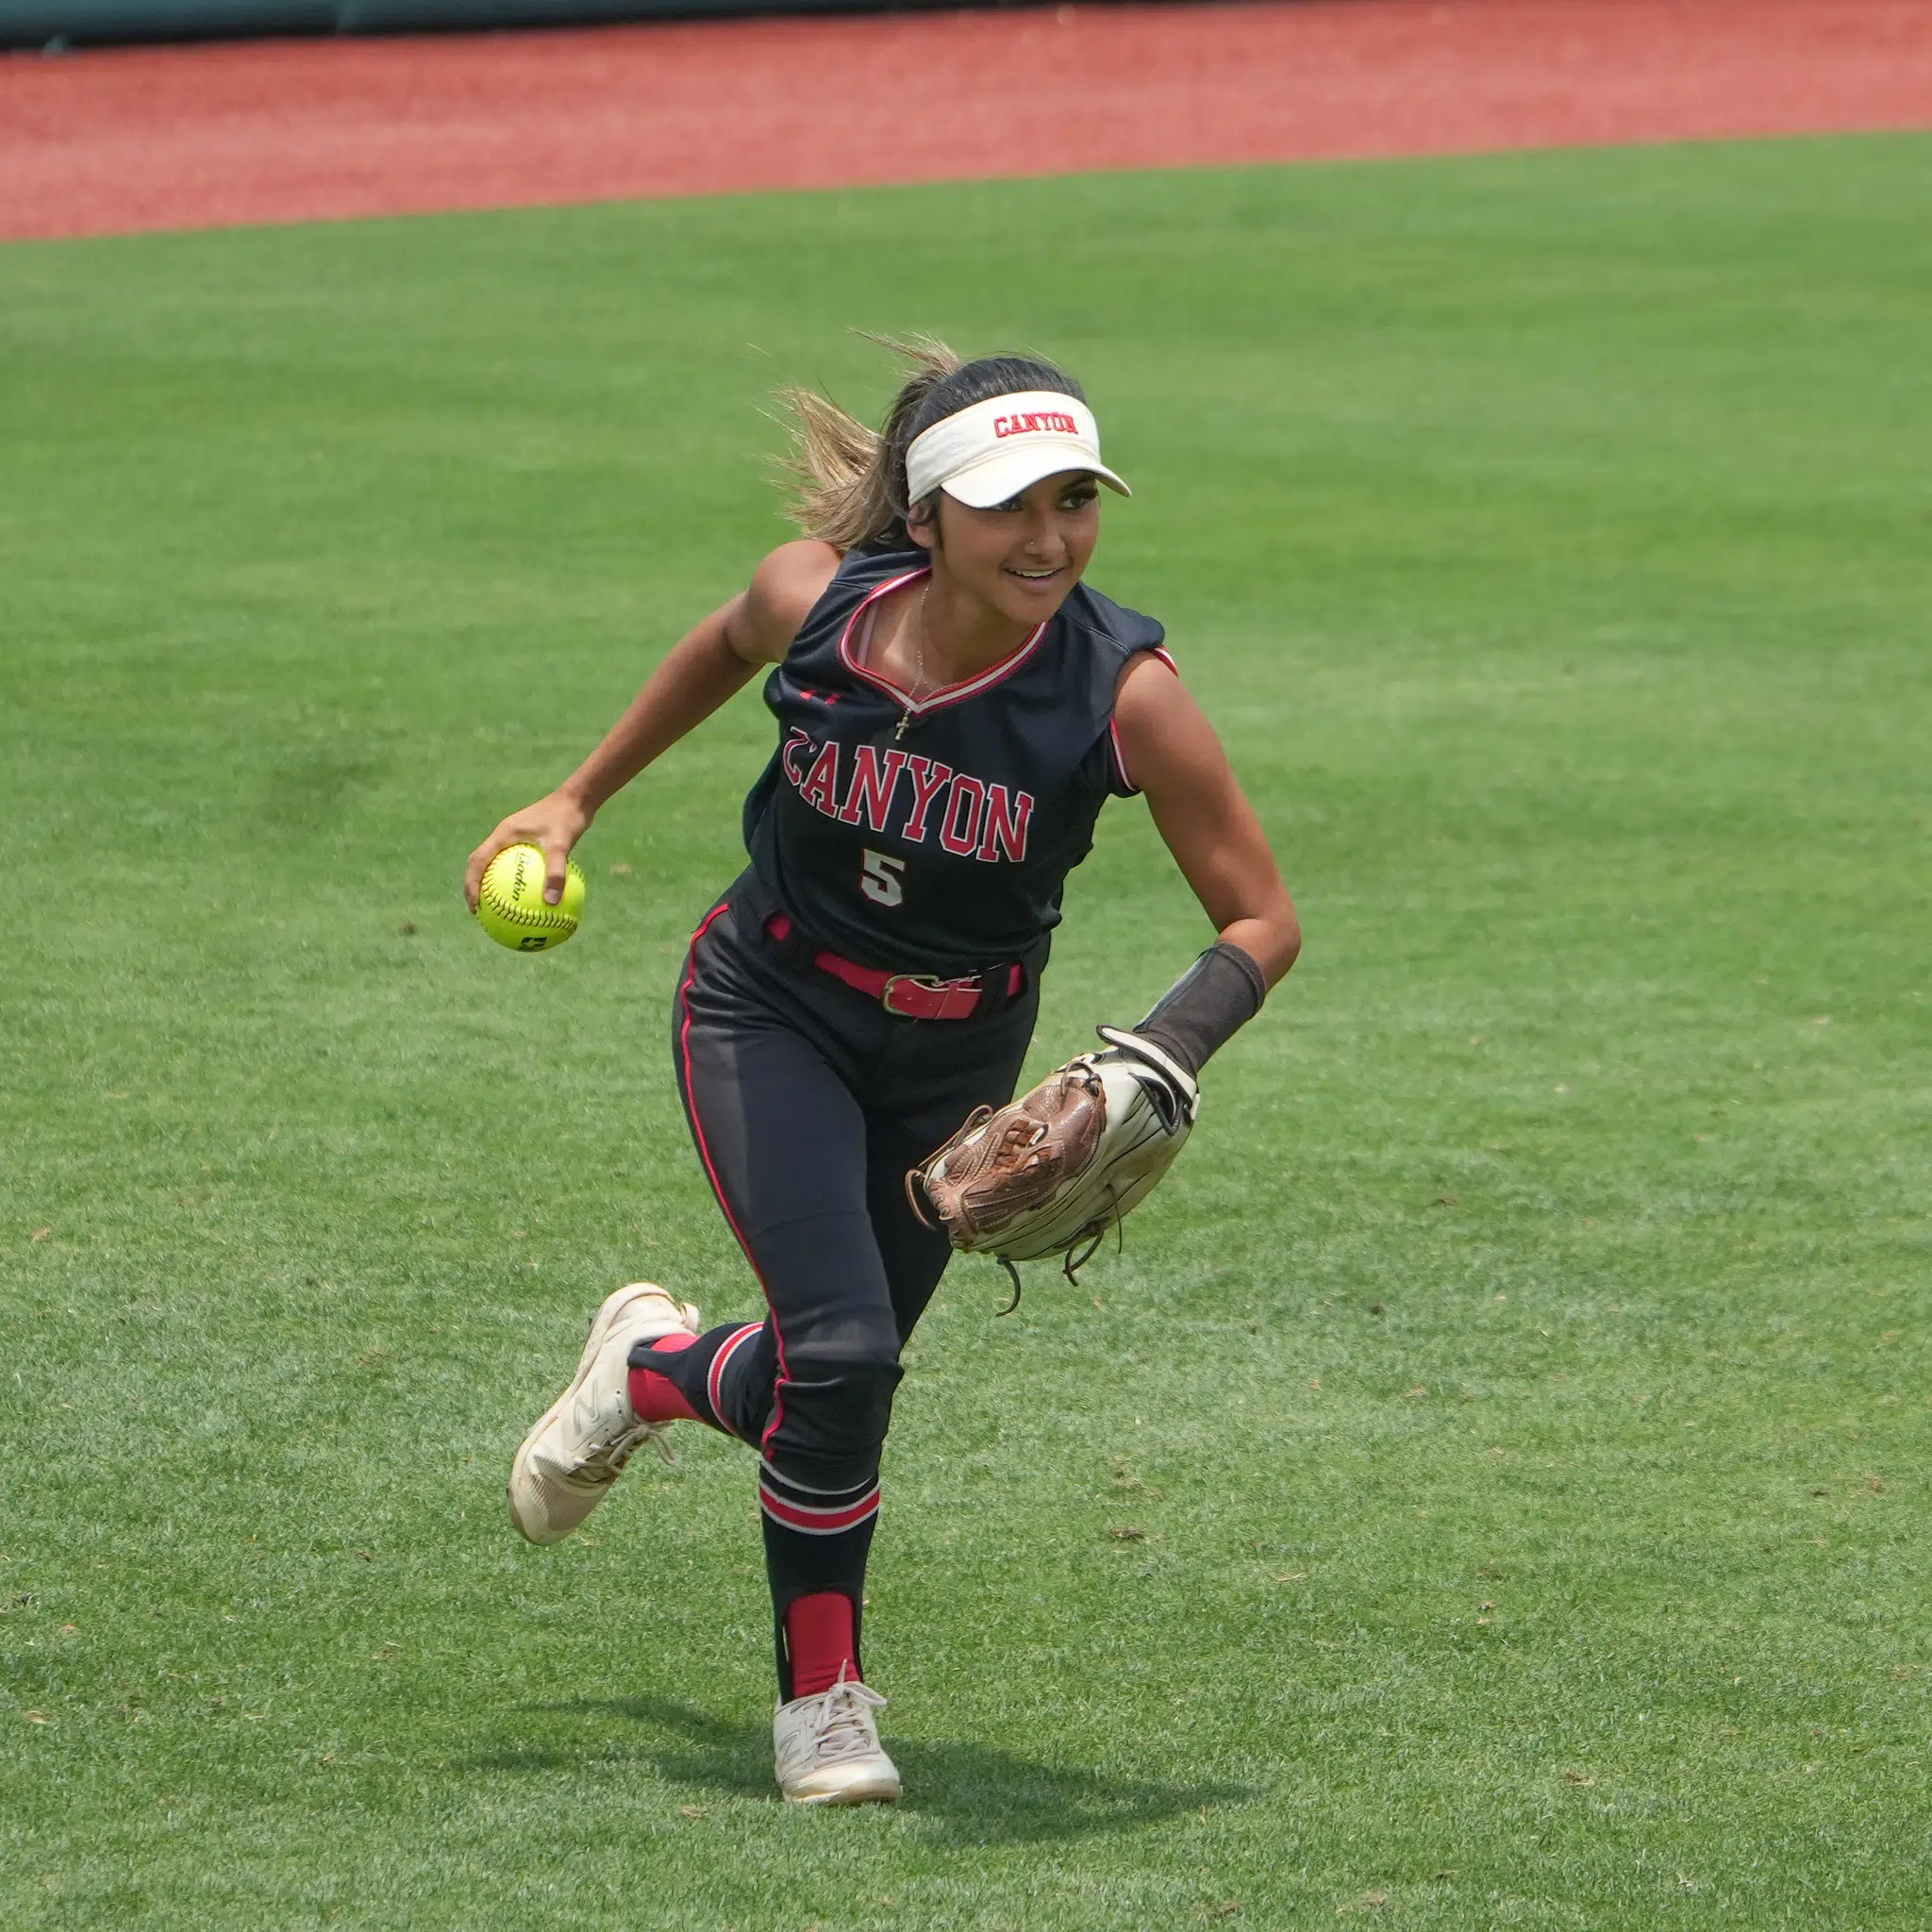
(1034, 577)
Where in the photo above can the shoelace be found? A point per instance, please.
(844, 1729)
(607, 1464)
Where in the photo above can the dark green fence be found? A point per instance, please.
(39, 23)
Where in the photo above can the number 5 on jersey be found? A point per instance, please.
(879, 878)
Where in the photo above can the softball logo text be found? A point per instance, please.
(969, 817)
(1033, 423)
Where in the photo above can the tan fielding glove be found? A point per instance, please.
(1054, 1169)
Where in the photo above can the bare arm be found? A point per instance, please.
(1200, 811)
(706, 666)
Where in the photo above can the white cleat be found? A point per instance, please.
(827, 1748)
(583, 1440)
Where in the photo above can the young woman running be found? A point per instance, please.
(954, 706)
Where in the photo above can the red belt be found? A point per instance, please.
(911, 996)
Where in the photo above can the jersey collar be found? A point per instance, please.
(947, 694)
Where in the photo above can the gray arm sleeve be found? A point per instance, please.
(1207, 1005)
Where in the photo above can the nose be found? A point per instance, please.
(1043, 537)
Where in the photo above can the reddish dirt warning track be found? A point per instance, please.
(107, 141)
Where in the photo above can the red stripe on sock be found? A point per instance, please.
(820, 1637)
(818, 1522)
(714, 1382)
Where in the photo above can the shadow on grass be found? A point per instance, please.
(967, 1793)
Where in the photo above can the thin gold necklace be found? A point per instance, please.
(918, 666)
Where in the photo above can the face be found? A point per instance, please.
(1023, 556)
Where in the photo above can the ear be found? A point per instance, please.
(922, 522)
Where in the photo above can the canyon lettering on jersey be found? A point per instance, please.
(914, 798)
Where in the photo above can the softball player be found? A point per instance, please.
(954, 706)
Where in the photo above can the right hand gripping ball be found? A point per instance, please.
(509, 903)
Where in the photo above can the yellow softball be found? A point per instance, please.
(509, 902)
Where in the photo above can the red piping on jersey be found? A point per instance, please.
(1113, 729)
(947, 693)
(697, 1127)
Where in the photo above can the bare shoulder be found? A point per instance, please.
(1167, 739)
(1150, 686)
(792, 578)
(764, 618)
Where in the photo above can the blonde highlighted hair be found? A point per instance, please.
(848, 482)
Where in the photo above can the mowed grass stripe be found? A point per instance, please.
(1488, 1488)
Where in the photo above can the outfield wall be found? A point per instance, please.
(38, 23)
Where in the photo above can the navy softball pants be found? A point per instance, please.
(807, 1103)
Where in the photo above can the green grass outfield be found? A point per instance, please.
(1518, 1398)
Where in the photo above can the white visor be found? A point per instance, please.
(991, 450)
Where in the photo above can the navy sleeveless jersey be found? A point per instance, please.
(944, 849)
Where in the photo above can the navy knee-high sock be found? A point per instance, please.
(816, 1540)
(816, 1546)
